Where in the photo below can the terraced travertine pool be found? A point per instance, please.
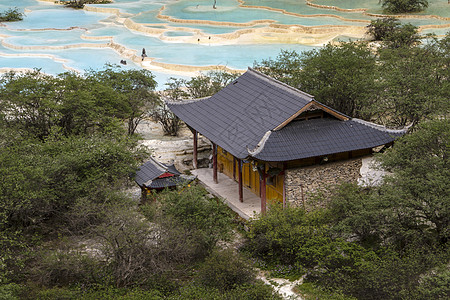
(184, 37)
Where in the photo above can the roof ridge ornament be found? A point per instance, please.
(162, 167)
(183, 101)
(260, 146)
(382, 127)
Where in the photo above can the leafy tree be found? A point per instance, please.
(381, 28)
(86, 106)
(76, 104)
(208, 84)
(404, 6)
(44, 180)
(171, 124)
(286, 67)
(341, 77)
(392, 33)
(405, 36)
(28, 102)
(135, 89)
(434, 285)
(420, 163)
(413, 84)
(201, 86)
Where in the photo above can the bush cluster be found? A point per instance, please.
(11, 15)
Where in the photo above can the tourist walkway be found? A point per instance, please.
(227, 189)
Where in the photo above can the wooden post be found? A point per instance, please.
(262, 184)
(194, 161)
(215, 163)
(234, 168)
(241, 191)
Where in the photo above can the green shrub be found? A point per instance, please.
(10, 291)
(11, 15)
(57, 293)
(63, 268)
(435, 285)
(288, 236)
(254, 291)
(365, 274)
(393, 33)
(112, 293)
(207, 220)
(225, 270)
(311, 291)
(195, 292)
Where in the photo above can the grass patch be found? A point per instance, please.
(310, 291)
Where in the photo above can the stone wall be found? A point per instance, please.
(319, 178)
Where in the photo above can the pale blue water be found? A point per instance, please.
(46, 24)
(57, 17)
(178, 33)
(48, 38)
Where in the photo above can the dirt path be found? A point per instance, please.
(283, 286)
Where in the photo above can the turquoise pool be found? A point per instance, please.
(177, 32)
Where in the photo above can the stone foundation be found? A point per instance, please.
(319, 178)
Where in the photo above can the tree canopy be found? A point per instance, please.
(393, 33)
(97, 101)
(339, 76)
(404, 6)
(400, 83)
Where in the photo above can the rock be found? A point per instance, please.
(177, 150)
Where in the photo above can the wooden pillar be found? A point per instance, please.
(195, 161)
(262, 184)
(241, 191)
(215, 163)
(234, 168)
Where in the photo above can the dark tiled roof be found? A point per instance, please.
(172, 181)
(317, 137)
(151, 170)
(241, 119)
(239, 115)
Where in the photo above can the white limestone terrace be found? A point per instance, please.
(181, 37)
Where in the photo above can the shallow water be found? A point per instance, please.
(181, 37)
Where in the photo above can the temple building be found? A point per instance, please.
(156, 176)
(277, 140)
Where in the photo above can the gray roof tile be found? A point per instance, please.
(240, 114)
(318, 137)
(151, 170)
